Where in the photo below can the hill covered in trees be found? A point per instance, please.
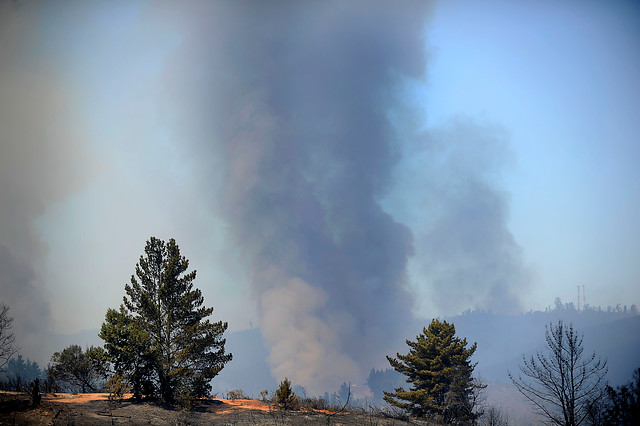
(614, 333)
(502, 340)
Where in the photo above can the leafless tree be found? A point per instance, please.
(563, 385)
(494, 416)
(7, 339)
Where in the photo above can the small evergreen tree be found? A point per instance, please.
(381, 380)
(624, 403)
(285, 396)
(439, 368)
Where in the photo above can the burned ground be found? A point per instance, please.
(97, 409)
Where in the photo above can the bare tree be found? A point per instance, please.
(563, 385)
(494, 416)
(7, 339)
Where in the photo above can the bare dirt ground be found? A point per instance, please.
(96, 409)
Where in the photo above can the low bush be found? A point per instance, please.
(264, 396)
(117, 386)
(236, 394)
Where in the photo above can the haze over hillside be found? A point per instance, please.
(502, 341)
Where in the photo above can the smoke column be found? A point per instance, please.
(296, 99)
(290, 123)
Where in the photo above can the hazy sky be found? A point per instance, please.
(466, 154)
(561, 80)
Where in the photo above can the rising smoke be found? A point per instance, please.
(464, 251)
(284, 110)
(291, 108)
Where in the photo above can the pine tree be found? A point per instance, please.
(381, 380)
(623, 407)
(166, 315)
(129, 350)
(285, 396)
(438, 367)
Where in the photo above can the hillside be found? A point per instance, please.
(96, 409)
(502, 341)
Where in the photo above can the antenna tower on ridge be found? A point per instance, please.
(578, 298)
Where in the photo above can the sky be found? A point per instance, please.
(333, 171)
(561, 81)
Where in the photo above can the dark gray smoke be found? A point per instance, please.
(292, 103)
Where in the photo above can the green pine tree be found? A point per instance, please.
(285, 396)
(129, 350)
(173, 337)
(438, 367)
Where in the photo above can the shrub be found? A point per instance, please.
(285, 397)
(117, 387)
(236, 394)
(184, 399)
(264, 396)
(317, 403)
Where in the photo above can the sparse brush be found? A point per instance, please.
(392, 412)
(117, 386)
(236, 394)
(315, 403)
(264, 396)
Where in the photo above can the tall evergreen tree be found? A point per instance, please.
(165, 312)
(439, 369)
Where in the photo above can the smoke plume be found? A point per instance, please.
(465, 253)
(292, 117)
(287, 119)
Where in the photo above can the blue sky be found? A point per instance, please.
(538, 103)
